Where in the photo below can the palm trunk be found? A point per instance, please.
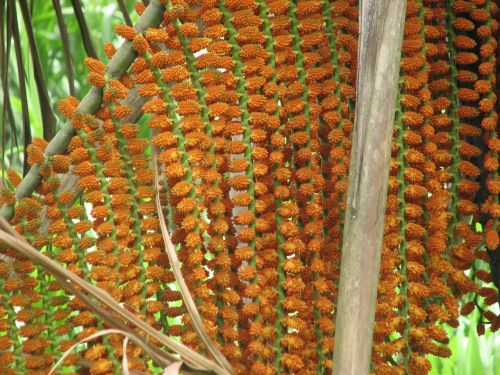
(381, 23)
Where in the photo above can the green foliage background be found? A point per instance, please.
(471, 354)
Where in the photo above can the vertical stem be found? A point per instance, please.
(381, 23)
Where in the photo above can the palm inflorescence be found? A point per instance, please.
(244, 110)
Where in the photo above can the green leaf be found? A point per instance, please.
(474, 365)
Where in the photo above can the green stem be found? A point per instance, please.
(302, 79)
(103, 181)
(493, 133)
(181, 146)
(245, 116)
(454, 132)
(245, 123)
(134, 209)
(201, 94)
(404, 287)
(280, 314)
(425, 140)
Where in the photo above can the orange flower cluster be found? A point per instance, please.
(249, 107)
(445, 102)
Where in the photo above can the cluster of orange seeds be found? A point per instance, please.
(439, 221)
(249, 106)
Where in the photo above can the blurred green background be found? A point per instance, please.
(472, 354)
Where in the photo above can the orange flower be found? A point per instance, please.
(139, 8)
(463, 24)
(109, 49)
(292, 265)
(494, 144)
(160, 122)
(479, 15)
(101, 366)
(14, 178)
(96, 79)
(35, 154)
(156, 106)
(482, 86)
(246, 235)
(175, 74)
(140, 69)
(126, 32)
(95, 66)
(468, 95)
(465, 76)
(68, 106)
(469, 130)
(419, 364)
(489, 123)
(492, 239)
(487, 50)
(89, 183)
(412, 64)
(156, 35)
(484, 31)
(164, 139)
(486, 68)
(247, 273)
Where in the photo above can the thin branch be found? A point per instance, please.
(123, 9)
(7, 113)
(22, 84)
(65, 44)
(48, 119)
(84, 29)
